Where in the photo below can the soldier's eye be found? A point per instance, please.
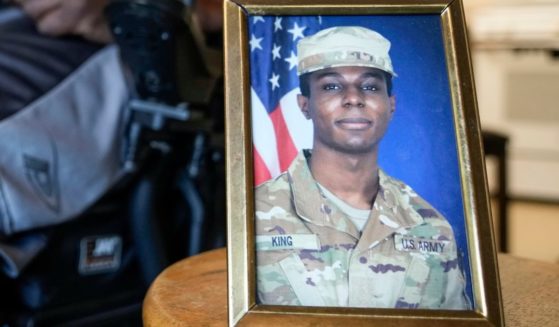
(369, 87)
(331, 87)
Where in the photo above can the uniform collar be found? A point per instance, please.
(391, 211)
(309, 202)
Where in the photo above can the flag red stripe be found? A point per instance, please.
(286, 148)
(261, 172)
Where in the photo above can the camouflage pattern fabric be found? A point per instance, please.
(310, 253)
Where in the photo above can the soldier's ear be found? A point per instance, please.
(392, 105)
(303, 103)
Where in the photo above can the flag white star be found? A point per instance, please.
(292, 60)
(257, 19)
(276, 52)
(255, 42)
(274, 81)
(277, 24)
(297, 31)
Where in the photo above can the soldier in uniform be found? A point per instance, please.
(334, 229)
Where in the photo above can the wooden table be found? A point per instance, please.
(193, 292)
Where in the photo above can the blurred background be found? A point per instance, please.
(164, 200)
(515, 55)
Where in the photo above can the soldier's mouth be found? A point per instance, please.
(354, 123)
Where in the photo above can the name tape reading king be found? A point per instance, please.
(287, 242)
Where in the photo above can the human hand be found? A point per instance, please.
(69, 17)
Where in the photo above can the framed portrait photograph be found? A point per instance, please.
(356, 183)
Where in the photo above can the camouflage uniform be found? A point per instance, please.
(310, 253)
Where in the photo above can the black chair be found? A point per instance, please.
(495, 144)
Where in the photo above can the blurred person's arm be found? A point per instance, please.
(69, 17)
(210, 15)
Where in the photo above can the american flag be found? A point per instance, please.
(279, 128)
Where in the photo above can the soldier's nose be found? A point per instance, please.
(353, 98)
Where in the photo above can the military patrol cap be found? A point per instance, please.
(344, 46)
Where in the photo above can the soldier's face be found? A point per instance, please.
(350, 108)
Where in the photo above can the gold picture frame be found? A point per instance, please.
(242, 307)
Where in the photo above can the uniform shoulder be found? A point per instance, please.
(434, 224)
(274, 210)
(433, 219)
(271, 187)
